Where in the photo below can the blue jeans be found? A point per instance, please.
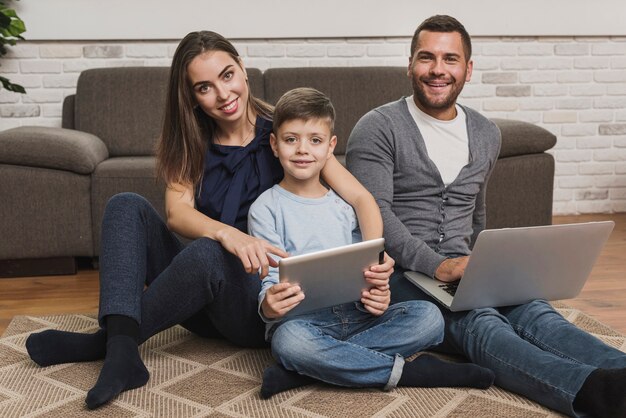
(200, 285)
(347, 346)
(531, 348)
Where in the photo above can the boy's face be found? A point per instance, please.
(303, 147)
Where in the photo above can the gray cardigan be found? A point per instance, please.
(425, 222)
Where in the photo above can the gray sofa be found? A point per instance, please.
(55, 182)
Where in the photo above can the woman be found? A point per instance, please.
(215, 157)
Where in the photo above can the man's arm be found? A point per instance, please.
(370, 157)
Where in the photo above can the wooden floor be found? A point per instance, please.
(604, 295)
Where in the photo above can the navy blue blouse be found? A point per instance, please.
(235, 176)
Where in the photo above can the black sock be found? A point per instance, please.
(121, 325)
(277, 379)
(431, 372)
(603, 394)
(51, 347)
(122, 370)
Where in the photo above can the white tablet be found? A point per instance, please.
(331, 277)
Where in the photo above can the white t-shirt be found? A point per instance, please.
(446, 141)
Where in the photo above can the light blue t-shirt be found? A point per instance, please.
(300, 225)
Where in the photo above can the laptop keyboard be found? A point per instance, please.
(450, 287)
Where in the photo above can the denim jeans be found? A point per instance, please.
(531, 348)
(200, 285)
(347, 346)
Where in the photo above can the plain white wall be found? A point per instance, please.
(159, 19)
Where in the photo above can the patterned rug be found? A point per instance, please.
(193, 377)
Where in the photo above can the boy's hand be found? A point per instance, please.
(376, 300)
(378, 274)
(280, 299)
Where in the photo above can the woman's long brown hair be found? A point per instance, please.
(187, 130)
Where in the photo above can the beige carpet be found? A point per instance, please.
(192, 377)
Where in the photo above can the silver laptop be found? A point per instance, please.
(331, 277)
(512, 266)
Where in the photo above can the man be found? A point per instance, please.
(426, 160)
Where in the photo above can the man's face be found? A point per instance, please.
(438, 71)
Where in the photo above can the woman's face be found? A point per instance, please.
(219, 86)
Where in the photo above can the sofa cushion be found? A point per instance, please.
(520, 190)
(354, 91)
(45, 213)
(124, 106)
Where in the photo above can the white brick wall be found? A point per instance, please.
(575, 87)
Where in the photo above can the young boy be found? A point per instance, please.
(359, 344)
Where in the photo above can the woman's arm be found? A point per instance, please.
(184, 219)
(368, 213)
(353, 192)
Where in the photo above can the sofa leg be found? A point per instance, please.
(37, 267)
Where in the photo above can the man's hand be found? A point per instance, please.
(376, 300)
(280, 299)
(451, 269)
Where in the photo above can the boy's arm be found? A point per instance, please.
(262, 224)
(275, 299)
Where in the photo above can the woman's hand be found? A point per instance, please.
(376, 300)
(280, 299)
(253, 252)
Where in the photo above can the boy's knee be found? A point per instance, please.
(431, 319)
(292, 341)
(424, 311)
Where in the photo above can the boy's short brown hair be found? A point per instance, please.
(304, 103)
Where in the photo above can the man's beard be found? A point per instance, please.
(427, 103)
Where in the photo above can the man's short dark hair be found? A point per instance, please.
(303, 103)
(443, 23)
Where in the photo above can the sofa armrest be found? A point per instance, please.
(56, 148)
(522, 138)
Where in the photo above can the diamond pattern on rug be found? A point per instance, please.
(587, 323)
(78, 409)
(478, 406)
(203, 351)
(337, 402)
(252, 406)
(11, 356)
(196, 377)
(211, 387)
(248, 363)
(423, 402)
